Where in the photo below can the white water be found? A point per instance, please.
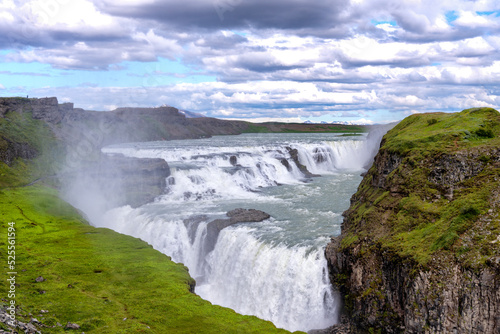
(274, 269)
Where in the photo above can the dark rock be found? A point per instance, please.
(11, 150)
(71, 325)
(236, 216)
(319, 155)
(294, 154)
(385, 163)
(285, 163)
(39, 279)
(233, 160)
(14, 104)
(192, 223)
(448, 170)
(121, 180)
(47, 109)
(247, 215)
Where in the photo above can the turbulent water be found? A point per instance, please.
(274, 269)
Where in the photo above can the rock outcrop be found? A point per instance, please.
(136, 181)
(419, 250)
(114, 180)
(215, 226)
(294, 154)
(46, 109)
(11, 150)
(235, 216)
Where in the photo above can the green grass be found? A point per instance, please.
(253, 128)
(96, 277)
(439, 132)
(275, 127)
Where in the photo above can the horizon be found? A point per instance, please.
(359, 61)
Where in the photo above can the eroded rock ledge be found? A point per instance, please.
(215, 226)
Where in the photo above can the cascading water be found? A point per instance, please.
(274, 269)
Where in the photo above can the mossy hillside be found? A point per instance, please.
(417, 215)
(444, 133)
(22, 128)
(97, 278)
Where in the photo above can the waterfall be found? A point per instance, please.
(226, 172)
(275, 269)
(292, 282)
(286, 285)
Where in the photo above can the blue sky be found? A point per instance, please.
(361, 61)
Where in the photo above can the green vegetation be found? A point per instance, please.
(254, 128)
(22, 128)
(351, 134)
(276, 127)
(99, 279)
(439, 132)
(440, 198)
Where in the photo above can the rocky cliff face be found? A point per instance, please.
(11, 150)
(46, 109)
(30, 128)
(113, 181)
(420, 245)
(120, 125)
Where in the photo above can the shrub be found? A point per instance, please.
(485, 133)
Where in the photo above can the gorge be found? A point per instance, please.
(418, 251)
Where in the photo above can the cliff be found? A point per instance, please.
(119, 125)
(419, 250)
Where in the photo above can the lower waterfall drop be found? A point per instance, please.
(292, 282)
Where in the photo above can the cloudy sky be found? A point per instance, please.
(322, 60)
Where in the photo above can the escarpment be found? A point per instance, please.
(419, 250)
(119, 125)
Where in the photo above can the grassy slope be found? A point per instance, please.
(275, 127)
(22, 128)
(417, 221)
(93, 277)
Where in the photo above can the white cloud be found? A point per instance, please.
(71, 14)
(283, 62)
(474, 20)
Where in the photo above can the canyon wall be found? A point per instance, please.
(419, 250)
